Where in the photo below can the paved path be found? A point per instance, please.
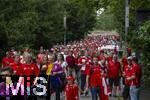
(144, 95)
(82, 98)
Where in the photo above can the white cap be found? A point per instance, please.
(129, 58)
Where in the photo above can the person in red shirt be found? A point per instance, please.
(84, 63)
(71, 63)
(114, 73)
(36, 70)
(40, 57)
(16, 65)
(82, 66)
(130, 80)
(110, 56)
(71, 90)
(28, 68)
(105, 90)
(93, 79)
(138, 72)
(135, 89)
(129, 51)
(102, 56)
(115, 50)
(6, 61)
(124, 62)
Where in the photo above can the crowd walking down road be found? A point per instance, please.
(89, 69)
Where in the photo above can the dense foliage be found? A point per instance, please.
(142, 42)
(36, 23)
(104, 22)
(138, 37)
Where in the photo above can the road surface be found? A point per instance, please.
(144, 95)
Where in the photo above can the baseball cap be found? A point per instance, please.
(70, 78)
(130, 58)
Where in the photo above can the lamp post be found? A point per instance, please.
(65, 27)
(126, 22)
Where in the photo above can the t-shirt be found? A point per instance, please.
(28, 69)
(6, 61)
(124, 62)
(17, 68)
(71, 92)
(138, 74)
(84, 63)
(114, 69)
(109, 58)
(56, 68)
(128, 73)
(36, 69)
(40, 58)
(71, 61)
(95, 76)
(101, 57)
(63, 64)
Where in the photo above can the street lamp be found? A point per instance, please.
(126, 21)
(65, 27)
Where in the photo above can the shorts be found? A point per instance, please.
(126, 91)
(114, 81)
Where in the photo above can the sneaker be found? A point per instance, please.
(87, 94)
(81, 94)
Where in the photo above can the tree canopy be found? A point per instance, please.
(36, 23)
(138, 35)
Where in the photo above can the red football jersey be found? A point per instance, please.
(114, 69)
(124, 62)
(17, 68)
(28, 69)
(71, 92)
(6, 61)
(36, 70)
(138, 74)
(84, 63)
(95, 76)
(128, 73)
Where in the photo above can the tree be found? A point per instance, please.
(137, 38)
(31, 22)
(142, 42)
(19, 22)
(50, 22)
(3, 38)
(36, 23)
(105, 21)
(81, 17)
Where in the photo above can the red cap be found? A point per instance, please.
(70, 78)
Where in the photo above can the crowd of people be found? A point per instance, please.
(80, 68)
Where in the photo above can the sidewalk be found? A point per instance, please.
(145, 94)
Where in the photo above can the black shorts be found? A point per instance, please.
(125, 93)
(114, 81)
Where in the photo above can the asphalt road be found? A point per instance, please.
(144, 95)
(82, 98)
